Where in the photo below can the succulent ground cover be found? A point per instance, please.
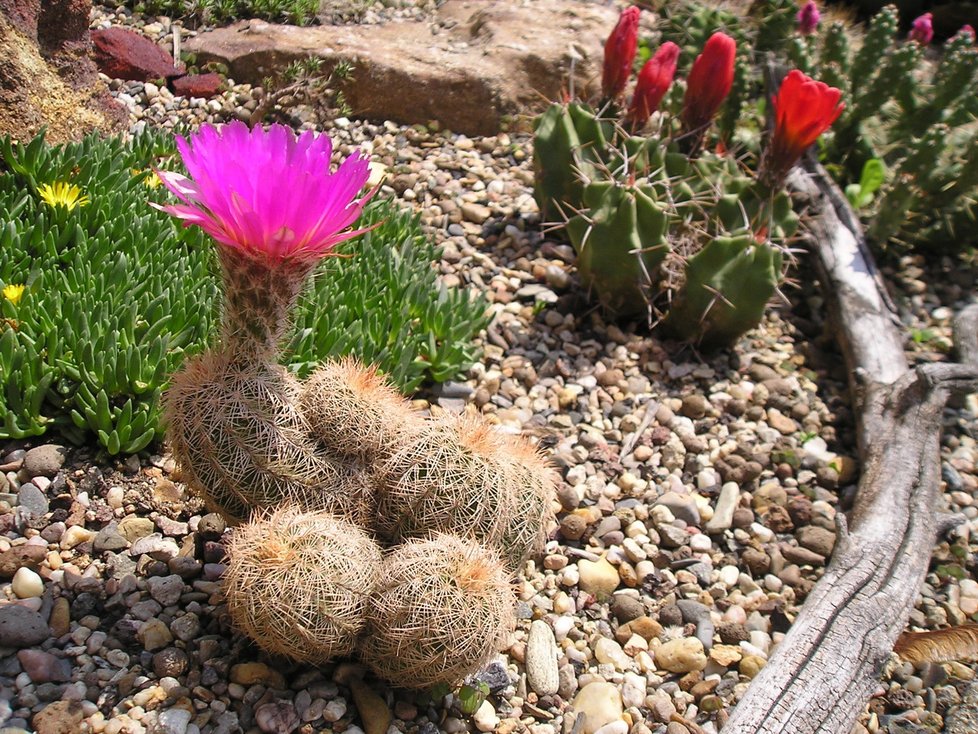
(697, 508)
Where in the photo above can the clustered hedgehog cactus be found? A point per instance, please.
(363, 526)
(664, 224)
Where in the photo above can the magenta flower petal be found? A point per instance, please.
(268, 193)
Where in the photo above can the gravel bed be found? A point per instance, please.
(697, 506)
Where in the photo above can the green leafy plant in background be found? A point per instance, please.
(860, 195)
(115, 296)
(916, 117)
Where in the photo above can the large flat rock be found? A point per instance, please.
(474, 67)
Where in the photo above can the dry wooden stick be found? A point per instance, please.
(820, 676)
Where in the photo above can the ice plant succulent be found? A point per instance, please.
(654, 81)
(619, 53)
(808, 18)
(708, 85)
(272, 204)
(803, 110)
(62, 194)
(922, 29)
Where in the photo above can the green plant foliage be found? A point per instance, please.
(385, 305)
(296, 12)
(116, 294)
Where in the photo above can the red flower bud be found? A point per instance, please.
(922, 29)
(967, 30)
(709, 81)
(619, 53)
(654, 81)
(803, 110)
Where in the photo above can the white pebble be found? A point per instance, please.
(27, 584)
(700, 543)
(485, 718)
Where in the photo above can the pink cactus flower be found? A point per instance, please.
(268, 194)
(808, 18)
(922, 29)
(967, 30)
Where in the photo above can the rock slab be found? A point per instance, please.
(473, 67)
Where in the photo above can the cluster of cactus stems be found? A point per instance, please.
(913, 113)
(363, 526)
(667, 222)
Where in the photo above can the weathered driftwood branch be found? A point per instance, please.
(820, 676)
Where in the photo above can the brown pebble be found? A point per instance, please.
(757, 561)
(60, 622)
(170, 661)
(60, 717)
(572, 527)
(778, 520)
(742, 518)
(732, 633)
(816, 539)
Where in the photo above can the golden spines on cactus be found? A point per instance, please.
(355, 412)
(461, 475)
(298, 583)
(242, 445)
(442, 607)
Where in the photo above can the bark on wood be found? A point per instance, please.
(820, 676)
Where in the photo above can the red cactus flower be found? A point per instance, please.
(619, 53)
(808, 18)
(654, 81)
(922, 29)
(709, 81)
(803, 110)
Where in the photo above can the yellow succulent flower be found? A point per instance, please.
(62, 194)
(152, 181)
(13, 293)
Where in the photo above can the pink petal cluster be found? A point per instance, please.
(268, 194)
(922, 29)
(808, 18)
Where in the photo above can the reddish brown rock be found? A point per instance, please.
(475, 67)
(197, 85)
(124, 54)
(47, 77)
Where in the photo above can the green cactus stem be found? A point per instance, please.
(728, 285)
(620, 245)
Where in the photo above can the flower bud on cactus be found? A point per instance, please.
(443, 607)
(808, 18)
(708, 83)
(654, 81)
(298, 583)
(922, 29)
(619, 54)
(355, 412)
(462, 476)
